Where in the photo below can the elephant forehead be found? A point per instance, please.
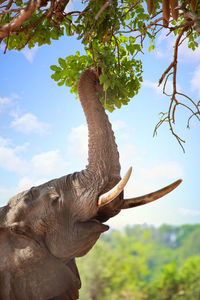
(17, 206)
(15, 199)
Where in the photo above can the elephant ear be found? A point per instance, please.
(31, 272)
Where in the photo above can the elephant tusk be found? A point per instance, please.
(133, 202)
(115, 191)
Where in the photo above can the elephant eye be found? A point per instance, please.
(54, 199)
(54, 196)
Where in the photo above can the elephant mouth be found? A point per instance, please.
(95, 221)
(98, 225)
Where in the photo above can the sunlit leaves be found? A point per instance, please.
(70, 69)
(151, 47)
(120, 72)
(43, 31)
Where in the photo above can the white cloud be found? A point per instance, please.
(165, 47)
(10, 161)
(78, 143)
(6, 193)
(22, 148)
(48, 163)
(187, 55)
(9, 104)
(128, 151)
(196, 80)
(169, 170)
(26, 183)
(39, 169)
(189, 212)
(5, 102)
(152, 85)
(30, 53)
(4, 142)
(29, 123)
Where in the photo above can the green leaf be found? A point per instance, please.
(61, 82)
(62, 62)
(55, 68)
(56, 76)
(151, 47)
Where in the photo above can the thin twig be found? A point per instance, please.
(131, 8)
(165, 73)
(170, 118)
(194, 114)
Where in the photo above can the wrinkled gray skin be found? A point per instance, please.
(44, 229)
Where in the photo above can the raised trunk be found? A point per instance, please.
(103, 154)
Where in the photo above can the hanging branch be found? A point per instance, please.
(17, 21)
(170, 118)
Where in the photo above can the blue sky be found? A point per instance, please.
(43, 132)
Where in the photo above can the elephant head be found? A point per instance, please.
(44, 229)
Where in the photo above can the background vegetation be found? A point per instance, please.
(143, 262)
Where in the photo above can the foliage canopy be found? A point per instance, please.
(114, 34)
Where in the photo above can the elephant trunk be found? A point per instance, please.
(103, 154)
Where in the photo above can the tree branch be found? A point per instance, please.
(59, 10)
(170, 118)
(23, 16)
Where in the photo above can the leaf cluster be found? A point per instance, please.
(69, 70)
(108, 49)
(120, 75)
(39, 34)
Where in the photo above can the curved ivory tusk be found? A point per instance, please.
(115, 191)
(133, 202)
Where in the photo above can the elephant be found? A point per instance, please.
(44, 229)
